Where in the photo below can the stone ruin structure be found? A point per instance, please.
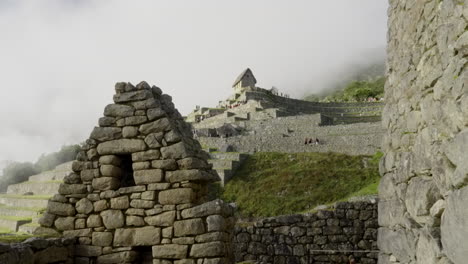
(138, 189)
(423, 210)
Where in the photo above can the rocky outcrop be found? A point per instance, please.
(424, 190)
(138, 191)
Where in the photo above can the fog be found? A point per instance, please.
(60, 59)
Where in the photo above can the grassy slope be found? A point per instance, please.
(280, 183)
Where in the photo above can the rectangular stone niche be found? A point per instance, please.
(127, 179)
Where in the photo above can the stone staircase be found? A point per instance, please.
(22, 204)
(225, 163)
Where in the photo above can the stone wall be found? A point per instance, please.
(138, 191)
(38, 251)
(287, 134)
(328, 236)
(423, 210)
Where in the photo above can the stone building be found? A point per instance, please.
(245, 80)
(138, 189)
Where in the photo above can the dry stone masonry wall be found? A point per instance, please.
(328, 236)
(138, 190)
(423, 209)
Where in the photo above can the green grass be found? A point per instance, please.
(269, 184)
(34, 209)
(19, 196)
(15, 218)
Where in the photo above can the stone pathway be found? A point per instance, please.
(23, 203)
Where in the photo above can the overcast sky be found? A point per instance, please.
(59, 59)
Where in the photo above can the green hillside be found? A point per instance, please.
(270, 184)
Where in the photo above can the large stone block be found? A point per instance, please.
(454, 226)
(144, 236)
(151, 154)
(211, 249)
(177, 196)
(102, 239)
(190, 175)
(65, 223)
(148, 176)
(72, 189)
(170, 251)
(163, 219)
(159, 125)
(62, 209)
(106, 183)
(401, 243)
(106, 133)
(113, 219)
(132, 96)
(121, 146)
(118, 110)
(422, 193)
(84, 206)
(176, 151)
(121, 202)
(110, 171)
(215, 207)
(189, 227)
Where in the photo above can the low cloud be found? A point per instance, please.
(60, 59)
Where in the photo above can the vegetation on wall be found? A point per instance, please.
(354, 91)
(271, 184)
(16, 172)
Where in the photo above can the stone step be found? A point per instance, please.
(229, 156)
(19, 211)
(224, 175)
(12, 223)
(24, 200)
(224, 164)
(28, 228)
(36, 188)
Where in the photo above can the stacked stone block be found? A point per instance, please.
(423, 209)
(328, 236)
(138, 189)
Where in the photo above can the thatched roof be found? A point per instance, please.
(241, 76)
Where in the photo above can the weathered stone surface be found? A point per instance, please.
(89, 175)
(421, 195)
(193, 163)
(47, 219)
(121, 146)
(211, 249)
(189, 227)
(142, 204)
(87, 251)
(118, 257)
(84, 206)
(189, 175)
(155, 113)
(78, 233)
(129, 132)
(176, 196)
(60, 209)
(146, 155)
(176, 151)
(169, 164)
(121, 202)
(100, 205)
(163, 219)
(132, 220)
(153, 140)
(400, 243)
(132, 96)
(106, 133)
(106, 183)
(106, 121)
(216, 223)
(172, 137)
(456, 152)
(65, 223)
(148, 176)
(110, 171)
(113, 219)
(110, 160)
(215, 207)
(118, 110)
(144, 236)
(72, 189)
(159, 125)
(102, 239)
(132, 189)
(454, 225)
(170, 251)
